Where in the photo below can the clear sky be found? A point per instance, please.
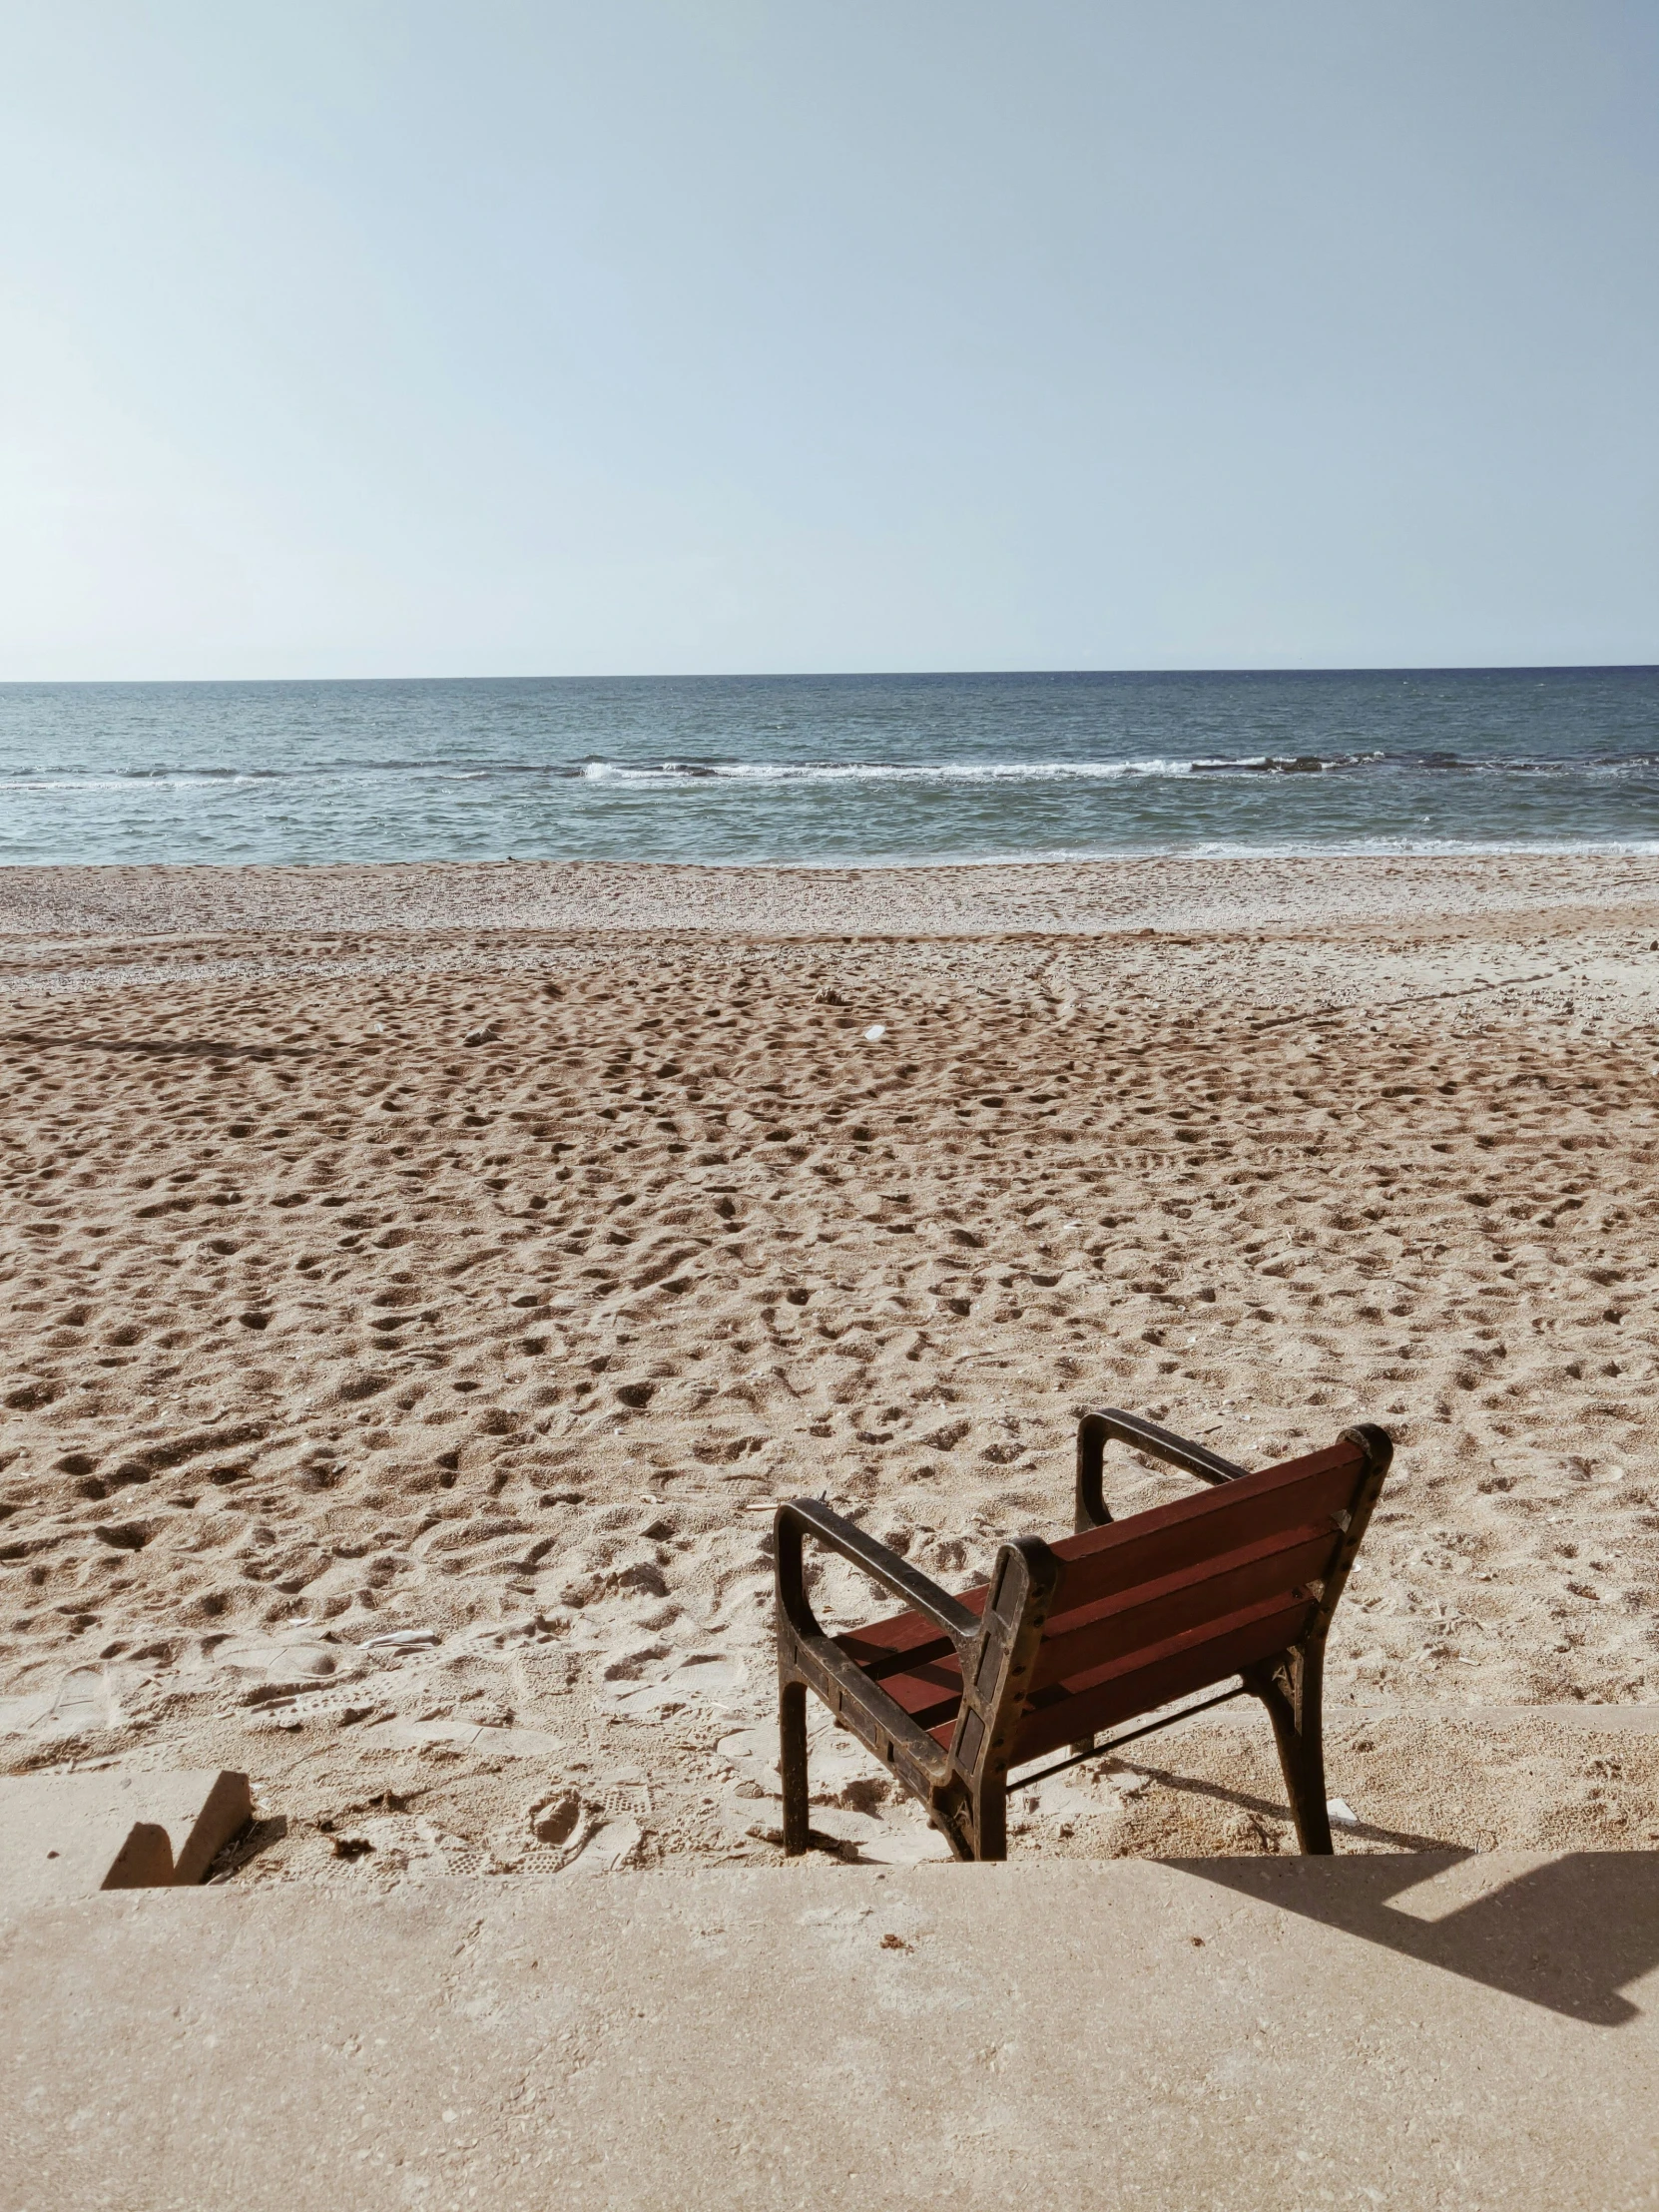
(354, 337)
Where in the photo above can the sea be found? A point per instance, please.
(832, 769)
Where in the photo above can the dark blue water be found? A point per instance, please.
(830, 768)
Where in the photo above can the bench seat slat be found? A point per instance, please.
(930, 1692)
(881, 1646)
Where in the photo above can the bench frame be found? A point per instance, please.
(965, 1787)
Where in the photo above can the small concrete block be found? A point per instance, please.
(227, 1807)
(67, 1835)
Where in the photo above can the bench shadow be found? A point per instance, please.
(1401, 1839)
(1566, 1936)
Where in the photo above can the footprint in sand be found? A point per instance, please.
(700, 1678)
(81, 1703)
(299, 1662)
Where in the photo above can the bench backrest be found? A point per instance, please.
(1184, 1596)
(1150, 1609)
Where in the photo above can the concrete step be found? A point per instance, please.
(70, 1835)
(1434, 2030)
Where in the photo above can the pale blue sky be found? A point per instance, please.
(649, 335)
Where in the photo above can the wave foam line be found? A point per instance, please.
(679, 774)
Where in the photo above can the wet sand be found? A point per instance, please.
(420, 1282)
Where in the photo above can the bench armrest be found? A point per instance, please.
(1097, 1429)
(805, 1517)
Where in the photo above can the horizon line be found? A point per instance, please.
(823, 676)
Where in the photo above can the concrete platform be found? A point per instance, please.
(1404, 2032)
(69, 1835)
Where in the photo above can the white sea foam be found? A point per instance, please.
(648, 774)
(886, 772)
(1219, 849)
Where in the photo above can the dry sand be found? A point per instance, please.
(420, 1282)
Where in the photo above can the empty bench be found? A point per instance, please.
(1068, 1639)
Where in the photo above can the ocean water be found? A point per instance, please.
(833, 770)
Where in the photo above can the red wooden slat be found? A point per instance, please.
(1170, 1537)
(930, 1693)
(882, 1666)
(1210, 1590)
(879, 1645)
(1126, 1688)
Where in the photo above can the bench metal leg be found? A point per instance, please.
(990, 1818)
(972, 1817)
(792, 1766)
(1293, 1690)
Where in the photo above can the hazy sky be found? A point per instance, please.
(647, 335)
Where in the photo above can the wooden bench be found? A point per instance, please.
(1067, 1639)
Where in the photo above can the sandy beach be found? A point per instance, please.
(420, 1282)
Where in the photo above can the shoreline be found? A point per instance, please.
(899, 864)
(1081, 898)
